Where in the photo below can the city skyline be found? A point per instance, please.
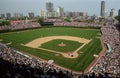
(90, 6)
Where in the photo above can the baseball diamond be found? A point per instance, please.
(78, 45)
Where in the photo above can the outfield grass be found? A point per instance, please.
(76, 64)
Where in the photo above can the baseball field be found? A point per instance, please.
(71, 48)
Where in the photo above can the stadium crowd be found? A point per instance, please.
(14, 64)
(110, 61)
(50, 19)
(20, 26)
(76, 24)
(61, 22)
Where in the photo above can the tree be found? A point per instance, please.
(39, 19)
(67, 19)
(4, 22)
(118, 18)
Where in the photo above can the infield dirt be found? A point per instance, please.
(38, 42)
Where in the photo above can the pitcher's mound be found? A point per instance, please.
(62, 44)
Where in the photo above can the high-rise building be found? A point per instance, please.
(31, 15)
(18, 15)
(119, 12)
(49, 7)
(52, 14)
(112, 13)
(69, 14)
(43, 13)
(8, 15)
(102, 9)
(2, 16)
(60, 12)
(75, 14)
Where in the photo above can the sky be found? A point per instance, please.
(90, 6)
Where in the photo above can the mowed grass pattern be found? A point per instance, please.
(71, 46)
(76, 64)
